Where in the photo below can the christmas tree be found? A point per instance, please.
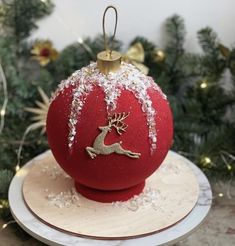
(200, 88)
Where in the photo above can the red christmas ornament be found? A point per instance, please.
(109, 127)
(109, 132)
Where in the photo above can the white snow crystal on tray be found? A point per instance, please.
(149, 197)
(64, 198)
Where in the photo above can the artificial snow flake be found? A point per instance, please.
(55, 172)
(127, 78)
(149, 197)
(64, 198)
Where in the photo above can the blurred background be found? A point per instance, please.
(74, 19)
(188, 47)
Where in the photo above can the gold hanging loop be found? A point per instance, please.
(109, 60)
(106, 43)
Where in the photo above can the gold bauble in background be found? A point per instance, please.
(159, 55)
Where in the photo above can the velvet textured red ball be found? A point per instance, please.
(84, 104)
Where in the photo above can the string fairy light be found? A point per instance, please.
(5, 101)
(229, 167)
(229, 156)
(224, 156)
(7, 224)
(78, 39)
(206, 161)
(39, 119)
(220, 194)
(4, 226)
(86, 47)
(4, 203)
(228, 190)
(17, 168)
(28, 129)
(204, 84)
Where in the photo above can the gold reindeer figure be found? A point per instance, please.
(99, 146)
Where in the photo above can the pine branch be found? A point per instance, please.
(174, 50)
(209, 42)
(213, 63)
(18, 17)
(176, 32)
(5, 179)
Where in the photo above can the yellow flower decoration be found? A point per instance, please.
(40, 112)
(44, 52)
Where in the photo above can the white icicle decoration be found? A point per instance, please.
(127, 78)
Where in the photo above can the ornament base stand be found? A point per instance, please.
(169, 196)
(111, 195)
(50, 235)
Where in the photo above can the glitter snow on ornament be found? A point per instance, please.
(126, 78)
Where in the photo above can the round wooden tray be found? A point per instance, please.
(169, 195)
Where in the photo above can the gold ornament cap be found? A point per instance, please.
(109, 61)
